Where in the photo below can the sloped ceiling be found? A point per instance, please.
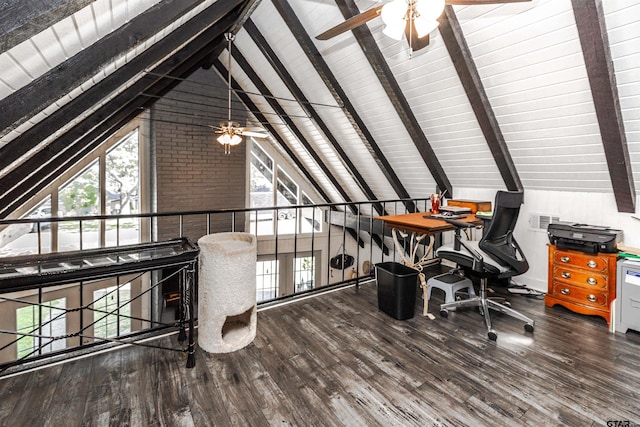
(535, 95)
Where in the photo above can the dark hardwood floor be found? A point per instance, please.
(336, 359)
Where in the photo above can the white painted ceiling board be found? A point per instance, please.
(12, 75)
(85, 24)
(623, 33)
(29, 60)
(67, 34)
(101, 11)
(441, 106)
(49, 47)
(526, 74)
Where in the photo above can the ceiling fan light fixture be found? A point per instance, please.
(394, 13)
(228, 138)
(428, 10)
(424, 26)
(395, 30)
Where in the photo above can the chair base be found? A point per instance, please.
(486, 303)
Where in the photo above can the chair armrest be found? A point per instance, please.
(459, 224)
(478, 260)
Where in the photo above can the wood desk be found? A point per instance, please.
(421, 222)
(420, 225)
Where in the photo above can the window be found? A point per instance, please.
(112, 315)
(267, 280)
(261, 191)
(304, 273)
(27, 243)
(118, 184)
(265, 176)
(53, 324)
(123, 191)
(80, 197)
(311, 217)
(287, 196)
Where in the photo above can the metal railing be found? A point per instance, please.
(320, 231)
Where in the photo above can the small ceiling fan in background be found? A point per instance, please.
(413, 19)
(230, 132)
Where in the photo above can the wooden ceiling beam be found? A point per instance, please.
(39, 170)
(331, 82)
(45, 90)
(309, 110)
(460, 54)
(394, 92)
(592, 31)
(20, 20)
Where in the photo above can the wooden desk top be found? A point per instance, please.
(417, 222)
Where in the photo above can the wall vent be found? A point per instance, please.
(540, 222)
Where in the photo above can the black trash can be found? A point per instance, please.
(397, 285)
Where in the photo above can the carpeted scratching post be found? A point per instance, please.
(227, 291)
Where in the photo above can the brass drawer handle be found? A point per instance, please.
(591, 263)
(566, 275)
(592, 281)
(565, 259)
(592, 298)
(565, 291)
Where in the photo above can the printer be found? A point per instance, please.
(584, 237)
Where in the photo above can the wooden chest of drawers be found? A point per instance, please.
(582, 282)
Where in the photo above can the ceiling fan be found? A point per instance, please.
(414, 19)
(231, 132)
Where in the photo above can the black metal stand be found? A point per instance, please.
(191, 350)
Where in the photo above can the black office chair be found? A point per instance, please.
(496, 256)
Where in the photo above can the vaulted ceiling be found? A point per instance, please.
(536, 95)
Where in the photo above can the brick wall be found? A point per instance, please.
(191, 170)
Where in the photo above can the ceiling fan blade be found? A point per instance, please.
(351, 23)
(416, 43)
(255, 134)
(464, 2)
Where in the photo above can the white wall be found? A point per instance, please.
(587, 208)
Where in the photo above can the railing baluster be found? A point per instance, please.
(39, 237)
(330, 220)
(313, 255)
(358, 247)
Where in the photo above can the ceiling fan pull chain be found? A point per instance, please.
(411, 15)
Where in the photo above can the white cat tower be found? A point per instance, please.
(227, 291)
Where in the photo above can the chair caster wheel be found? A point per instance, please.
(493, 336)
(528, 327)
(506, 304)
(444, 313)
